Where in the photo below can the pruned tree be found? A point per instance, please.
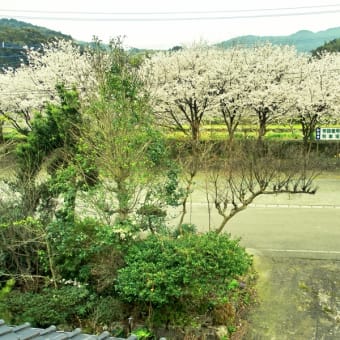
(236, 180)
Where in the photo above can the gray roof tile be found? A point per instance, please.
(26, 332)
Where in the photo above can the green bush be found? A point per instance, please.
(143, 334)
(107, 311)
(72, 247)
(80, 248)
(20, 244)
(50, 307)
(173, 274)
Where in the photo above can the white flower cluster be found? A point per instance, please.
(123, 233)
(72, 283)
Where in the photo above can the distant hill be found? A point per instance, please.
(14, 35)
(304, 41)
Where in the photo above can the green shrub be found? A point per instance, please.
(107, 311)
(20, 244)
(143, 334)
(7, 288)
(171, 275)
(50, 307)
(71, 244)
(80, 248)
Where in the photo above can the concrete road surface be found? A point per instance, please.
(301, 225)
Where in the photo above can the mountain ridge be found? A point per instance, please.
(15, 35)
(303, 40)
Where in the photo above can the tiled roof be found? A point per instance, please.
(26, 332)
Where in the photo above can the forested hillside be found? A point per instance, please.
(16, 35)
(331, 46)
(304, 41)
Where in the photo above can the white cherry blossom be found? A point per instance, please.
(27, 89)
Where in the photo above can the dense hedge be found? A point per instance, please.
(186, 275)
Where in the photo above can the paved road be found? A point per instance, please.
(290, 225)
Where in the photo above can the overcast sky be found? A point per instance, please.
(159, 24)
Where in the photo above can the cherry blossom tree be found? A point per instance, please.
(316, 93)
(27, 89)
(232, 89)
(268, 87)
(184, 87)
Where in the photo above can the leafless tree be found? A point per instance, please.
(250, 170)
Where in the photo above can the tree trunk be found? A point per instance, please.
(262, 128)
(308, 128)
(2, 139)
(123, 197)
(185, 200)
(195, 131)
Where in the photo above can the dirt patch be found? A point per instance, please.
(298, 299)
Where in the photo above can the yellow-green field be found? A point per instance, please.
(219, 132)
